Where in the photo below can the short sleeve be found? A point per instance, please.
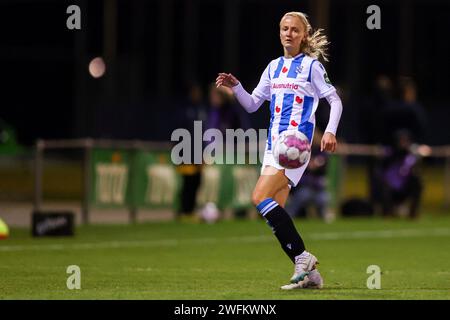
(262, 90)
(320, 81)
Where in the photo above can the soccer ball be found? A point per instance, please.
(210, 213)
(4, 231)
(292, 149)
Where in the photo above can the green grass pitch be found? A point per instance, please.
(229, 260)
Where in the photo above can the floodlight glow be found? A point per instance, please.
(97, 67)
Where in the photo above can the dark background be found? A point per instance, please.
(155, 49)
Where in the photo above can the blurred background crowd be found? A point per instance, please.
(161, 57)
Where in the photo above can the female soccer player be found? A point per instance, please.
(293, 84)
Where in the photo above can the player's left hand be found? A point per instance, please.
(328, 142)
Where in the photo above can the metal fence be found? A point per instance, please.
(89, 147)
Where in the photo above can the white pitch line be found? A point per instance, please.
(376, 234)
(319, 236)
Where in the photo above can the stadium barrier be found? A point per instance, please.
(140, 175)
(137, 174)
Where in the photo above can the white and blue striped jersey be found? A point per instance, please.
(293, 86)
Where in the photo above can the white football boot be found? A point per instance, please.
(312, 281)
(304, 263)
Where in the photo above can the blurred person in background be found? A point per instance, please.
(400, 181)
(223, 113)
(312, 191)
(392, 111)
(374, 109)
(191, 109)
(371, 128)
(405, 113)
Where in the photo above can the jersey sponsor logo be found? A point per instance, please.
(285, 86)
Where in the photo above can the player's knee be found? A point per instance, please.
(255, 198)
(258, 197)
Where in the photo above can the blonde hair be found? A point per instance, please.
(314, 43)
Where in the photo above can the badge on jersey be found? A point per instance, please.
(327, 80)
(299, 69)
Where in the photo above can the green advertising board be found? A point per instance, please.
(138, 179)
(155, 183)
(110, 172)
(228, 186)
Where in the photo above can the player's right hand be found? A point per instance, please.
(227, 80)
